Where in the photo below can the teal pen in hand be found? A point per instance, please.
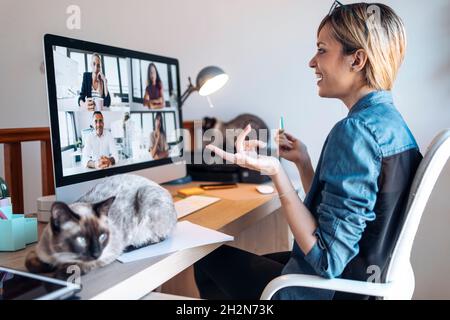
(281, 125)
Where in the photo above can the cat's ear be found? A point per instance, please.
(102, 208)
(60, 214)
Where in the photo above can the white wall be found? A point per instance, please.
(265, 46)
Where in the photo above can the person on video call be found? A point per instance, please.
(99, 150)
(356, 196)
(94, 86)
(159, 148)
(154, 93)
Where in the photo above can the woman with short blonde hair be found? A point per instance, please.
(348, 223)
(376, 29)
(94, 86)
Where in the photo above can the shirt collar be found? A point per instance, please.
(97, 136)
(371, 99)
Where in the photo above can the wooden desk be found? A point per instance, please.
(252, 218)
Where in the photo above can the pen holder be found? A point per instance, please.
(17, 232)
(7, 211)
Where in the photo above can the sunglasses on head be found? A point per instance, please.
(337, 4)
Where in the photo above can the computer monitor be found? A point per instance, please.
(112, 111)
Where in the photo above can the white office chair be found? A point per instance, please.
(400, 282)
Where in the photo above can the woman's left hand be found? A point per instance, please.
(246, 155)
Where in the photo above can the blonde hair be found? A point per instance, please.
(376, 29)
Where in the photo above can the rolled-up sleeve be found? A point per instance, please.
(349, 174)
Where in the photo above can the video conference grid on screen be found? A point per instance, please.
(114, 111)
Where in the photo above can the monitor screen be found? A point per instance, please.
(112, 110)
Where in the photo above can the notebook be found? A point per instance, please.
(193, 203)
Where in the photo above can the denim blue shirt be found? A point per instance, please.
(345, 188)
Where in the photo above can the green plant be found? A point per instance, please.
(4, 191)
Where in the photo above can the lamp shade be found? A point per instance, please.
(210, 79)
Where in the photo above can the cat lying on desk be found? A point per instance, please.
(93, 232)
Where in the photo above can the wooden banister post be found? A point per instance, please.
(13, 174)
(189, 125)
(48, 186)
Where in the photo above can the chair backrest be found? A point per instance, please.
(400, 270)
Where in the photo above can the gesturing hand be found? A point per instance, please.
(246, 155)
(291, 148)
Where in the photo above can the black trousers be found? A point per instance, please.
(231, 273)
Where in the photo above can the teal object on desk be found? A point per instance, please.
(31, 234)
(7, 211)
(17, 232)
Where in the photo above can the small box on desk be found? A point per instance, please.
(44, 206)
(17, 232)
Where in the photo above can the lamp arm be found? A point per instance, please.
(191, 88)
(186, 95)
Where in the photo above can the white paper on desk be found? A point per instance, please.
(185, 235)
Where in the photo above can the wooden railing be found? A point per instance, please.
(12, 140)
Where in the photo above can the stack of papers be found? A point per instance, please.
(185, 235)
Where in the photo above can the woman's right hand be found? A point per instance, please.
(291, 148)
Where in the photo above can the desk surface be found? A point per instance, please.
(239, 208)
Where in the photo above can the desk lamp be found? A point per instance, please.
(209, 80)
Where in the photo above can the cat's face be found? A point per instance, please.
(80, 230)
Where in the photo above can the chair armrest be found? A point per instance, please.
(343, 285)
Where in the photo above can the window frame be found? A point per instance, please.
(69, 146)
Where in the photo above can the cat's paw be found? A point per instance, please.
(92, 265)
(36, 265)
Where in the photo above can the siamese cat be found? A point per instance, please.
(122, 211)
